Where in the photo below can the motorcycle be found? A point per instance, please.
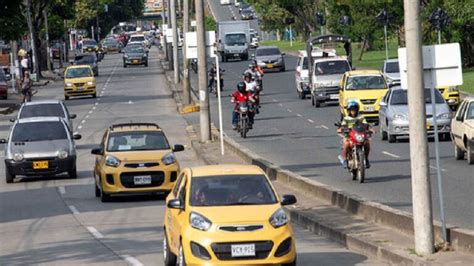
(213, 88)
(358, 136)
(243, 126)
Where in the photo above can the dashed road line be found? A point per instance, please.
(79, 127)
(325, 127)
(62, 190)
(299, 115)
(74, 210)
(90, 111)
(83, 121)
(289, 110)
(311, 121)
(93, 107)
(133, 261)
(280, 104)
(391, 154)
(94, 232)
(87, 116)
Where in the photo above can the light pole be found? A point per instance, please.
(174, 26)
(186, 78)
(204, 115)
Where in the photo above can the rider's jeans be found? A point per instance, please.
(235, 117)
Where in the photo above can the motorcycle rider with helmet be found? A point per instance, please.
(213, 75)
(241, 96)
(255, 70)
(349, 121)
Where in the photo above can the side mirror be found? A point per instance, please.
(459, 118)
(72, 116)
(288, 200)
(97, 151)
(12, 120)
(382, 104)
(3, 141)
(175, 204)
(77, 136)
(283, 53)
(178, 148)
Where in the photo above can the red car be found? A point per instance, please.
(3, 85)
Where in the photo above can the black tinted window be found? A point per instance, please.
(89, 42)
(42, 110)
(268, 51)
(331, 68)
(39, 131)
(400, 97)
(85, 59)
(392, 67)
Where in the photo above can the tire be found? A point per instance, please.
(124, 65)
(146, 64)
(94, 95)
(317, 103)
(458, 153)
(470, 153)
(361, 169)
(181, 259)
(73, 173)
(283, 69)
(301, 95)
(383, 134)
(243, 128)
(168, 257)
(97, 190)
(66, 97)
(104, 197)
(8, 176)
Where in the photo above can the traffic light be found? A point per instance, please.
(320, 18)
(382, 17)
(439, 19)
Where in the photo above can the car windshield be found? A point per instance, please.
(37, 110)
(89, 43)
(228, 190)
(268, 51)
(235, 39)
(137, 141)
(371, 82)
(84, 59)
(470, 111)
(135, 49)
(400, 97)
(137, 38)
(79, 72)
(392, 67)
(331, 68)
(39, 131)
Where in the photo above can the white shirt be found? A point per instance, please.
(251, 86)
(24, 63)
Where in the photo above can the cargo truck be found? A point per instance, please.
(233, 40)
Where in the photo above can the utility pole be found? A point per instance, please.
(186, 81)
(174, 26)
(179, 6)
(48, 50)
(421, 190)
(163, 20)
(204, 116)
(32, 39)
(98, 28)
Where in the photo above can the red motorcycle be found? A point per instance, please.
(359, 135)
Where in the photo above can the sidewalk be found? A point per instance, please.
(337, 224)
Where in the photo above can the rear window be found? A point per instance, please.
(85, 59)
(268, 51)
(331, 68)
(137, 39)
(89, 42)
(39, 131)
(392, 67)
(37, 110)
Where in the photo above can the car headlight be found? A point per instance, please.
(279, 218)
(199, 222)
(68, 84)
(18, 157)
(400, 117)
(444, 116)
(90, 83)
(112, 161)
(169, 158)
(62, 154)
(453, 89)
(125, 56)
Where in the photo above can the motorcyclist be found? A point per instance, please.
(241, 96)
(250, 83)
(255, 70)
(213, 75)
(353, 118)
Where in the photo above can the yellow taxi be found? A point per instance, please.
(79, 80)
(134, 158)
(366, 87)
(451, 95)
(227, 215)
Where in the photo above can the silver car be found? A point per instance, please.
(40, 146)
(270, 57)
(46, 108)
(391, 71)
(393, 114)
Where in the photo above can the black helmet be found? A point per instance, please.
(241, 87)
(248, 75)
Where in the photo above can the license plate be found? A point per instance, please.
(270, 66)
(135, 61)
(369, 108)
(247, 250)
(79, 88)
(334, 96)
(236, 55)
(428, 125)
(142, 180)
(41, 165)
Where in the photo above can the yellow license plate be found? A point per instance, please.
(41, 165)
(270, 66)
(135, 61)
(428, 125)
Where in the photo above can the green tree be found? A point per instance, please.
(12, 21)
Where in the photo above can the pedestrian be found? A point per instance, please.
(24, 65)
(26, 87)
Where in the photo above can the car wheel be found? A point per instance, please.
(317, 103)
(8, 176)
(104, 197)
(301, 95)
(283, 69)
(94, 95)
(181, 259)
(391, 138)
(458, 153)
(146, 64)
(383, 134)
(73, 173)
(291, 263)
(66, 97)
(124, 65)
(168, 257)
(470, 153)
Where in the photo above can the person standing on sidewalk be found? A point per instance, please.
(24, 64)
(26, 87)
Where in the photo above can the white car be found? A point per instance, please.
(462, 131)
(139, 38)
(226, 2)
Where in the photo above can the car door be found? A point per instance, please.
(456, 125)
(298, 73)
(100, 159)
(341, 93)
(383, 112)
(178, 217)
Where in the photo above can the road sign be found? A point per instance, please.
(193, 23)
(441, 64)
(191, 44)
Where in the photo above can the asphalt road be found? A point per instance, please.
(58, 221)
(293, 134)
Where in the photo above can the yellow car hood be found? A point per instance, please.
(238, 214)
(140, 156)
(365, 94)
(78, 80)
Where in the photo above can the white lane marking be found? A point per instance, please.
(391, 154)
(83, 121)
(90, 111)
(311, 121)
(280, 104)
(133, 261)
(94, 232)
(79, 127)
(73, 210)
(93, 107)
(289, 110)
(325, 127)
(299, 115)
(97, 103)
(274, 100)
(130, 102)
(62, 190)
(434, 168)
(87, 116)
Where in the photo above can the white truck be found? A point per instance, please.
(233, 40)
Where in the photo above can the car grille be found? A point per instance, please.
(140, 165)
(330, 90)
(240, 228)
(223, 250)
(269, 61)
(79, 84)
(157, 179)
(368, 101)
